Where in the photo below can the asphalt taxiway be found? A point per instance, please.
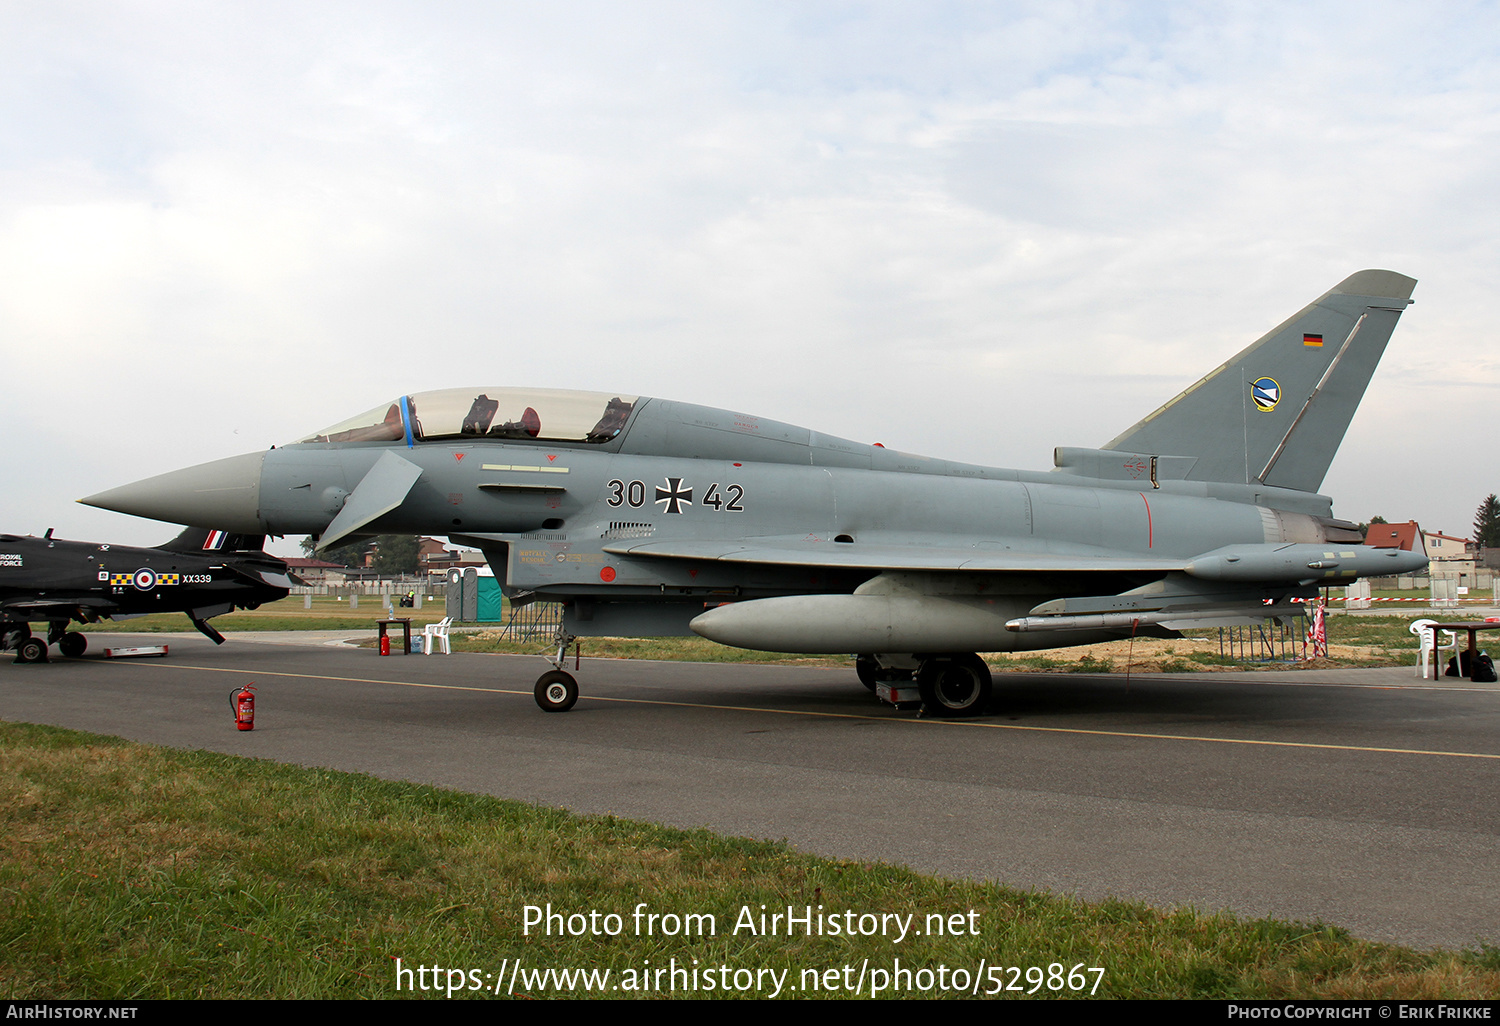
(1369, 799)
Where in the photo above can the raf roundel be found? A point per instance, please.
(1266, 393)
(144, 579)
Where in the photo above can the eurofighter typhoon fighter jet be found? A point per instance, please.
(649, 517)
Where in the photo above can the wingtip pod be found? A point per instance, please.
(1302, 563)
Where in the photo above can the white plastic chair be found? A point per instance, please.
(437, 634)
(1426, 637)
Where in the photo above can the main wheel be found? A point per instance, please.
(871, 672)
(32, 650)
(12, 637)
(954, 686)
(73, 644)
(556, 691)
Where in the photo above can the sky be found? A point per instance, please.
(969, 230)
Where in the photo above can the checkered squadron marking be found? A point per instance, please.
(144, 579)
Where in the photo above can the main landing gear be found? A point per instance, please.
(872, 674)
(950, 685)
(12, 636)
(28, 649)
(957, 685)
(31, 649)
(556, 690)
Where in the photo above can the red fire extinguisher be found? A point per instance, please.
(385, 645)
(243, 704)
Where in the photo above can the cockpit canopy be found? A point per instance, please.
(545, 414)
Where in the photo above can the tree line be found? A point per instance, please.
(387, 553)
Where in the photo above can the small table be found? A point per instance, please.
(381, 626)
(1473, 628)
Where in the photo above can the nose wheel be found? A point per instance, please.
(556, 690)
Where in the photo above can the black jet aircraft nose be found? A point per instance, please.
(224, 495)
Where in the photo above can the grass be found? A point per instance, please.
(694, 649)
(328, 613)
(130, 872)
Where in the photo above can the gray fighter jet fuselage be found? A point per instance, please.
(651, 517)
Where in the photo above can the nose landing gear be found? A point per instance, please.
(556, 690)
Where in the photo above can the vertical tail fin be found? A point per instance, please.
(1277, 411)
(197, 539)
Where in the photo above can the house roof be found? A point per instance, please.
(1394, 536)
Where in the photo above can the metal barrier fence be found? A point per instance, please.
(535, 620)
(383, 586)
(387, 593)
(1264, 643)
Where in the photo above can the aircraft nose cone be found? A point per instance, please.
(224, 494)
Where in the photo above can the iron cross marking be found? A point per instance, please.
(674, 495)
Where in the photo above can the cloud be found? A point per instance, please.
(976, 232)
